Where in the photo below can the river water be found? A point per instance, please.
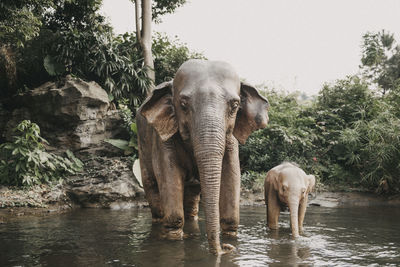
(350, 236)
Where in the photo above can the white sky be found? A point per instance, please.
(288, 44)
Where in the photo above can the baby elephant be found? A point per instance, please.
(287, 185)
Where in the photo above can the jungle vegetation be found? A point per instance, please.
(348, 134)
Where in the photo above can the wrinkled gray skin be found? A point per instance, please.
(287, 185)
(188, 139)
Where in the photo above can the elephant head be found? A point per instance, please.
(208, 106)
(293, 185)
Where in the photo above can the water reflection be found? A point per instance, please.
(153, 249)
(295, 250)
(333, 237)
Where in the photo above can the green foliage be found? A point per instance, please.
(169, 55)
(339, 106)
(20, 20)
(350, 99)
(85, 45)
(372, 149)
(53, 67)
(349, 136)
(130, 147)
(288, 137)
(253, 180)
(76, 14)
(381, 60)
(73, 38)
(162, 7)
(113, 62)
(26, 162)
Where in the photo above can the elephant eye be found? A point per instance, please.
(184, 104)
(233, 107)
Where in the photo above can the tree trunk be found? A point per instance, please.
(137, 22)
(146, 41)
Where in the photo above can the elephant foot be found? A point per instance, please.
(273, 226)
(229, 227)
(229, 233)
(224, 249)
(191, 228)
(295, 235)
(172, 234)
(227, 248)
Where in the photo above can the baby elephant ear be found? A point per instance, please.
(253, 113)
(159, 111)
(311, 182)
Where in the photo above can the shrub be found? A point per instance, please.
(371, 148)
(253, 180)
(26, 162)
(288, 137)
(130, 147)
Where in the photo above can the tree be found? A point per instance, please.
(381, 60)
(20, 21)
(73, 38)
(143, 33)
(169, 55)
(150, 10)
(163, 7)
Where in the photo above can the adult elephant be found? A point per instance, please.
(188, 133)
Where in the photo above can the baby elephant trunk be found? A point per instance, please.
(294, 220)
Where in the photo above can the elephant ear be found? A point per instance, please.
(159, 111)
(273, 179)
(311, 183)
(252, 114)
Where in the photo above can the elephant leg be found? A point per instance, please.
(273, 209)
(191, 201)
(302, 212)
(230, 190)
(170, 184)
(151, 192)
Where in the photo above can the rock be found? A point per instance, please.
(38, 196)
(325, 199)
(106, 183)
(72, 115)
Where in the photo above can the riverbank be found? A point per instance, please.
(329, 199)
(108, 182)
(46, 200)
(105, 182)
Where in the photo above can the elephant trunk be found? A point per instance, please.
(209, 144)
(294, 222)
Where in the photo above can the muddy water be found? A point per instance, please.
(351, 236)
